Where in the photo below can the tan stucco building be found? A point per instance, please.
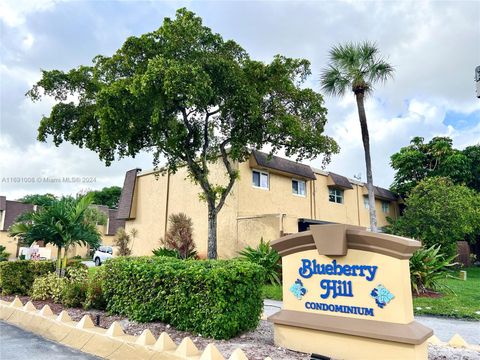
(272, 197)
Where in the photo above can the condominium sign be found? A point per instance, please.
(348, 291)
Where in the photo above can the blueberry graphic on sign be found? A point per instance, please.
(381, 295)
(298, 290)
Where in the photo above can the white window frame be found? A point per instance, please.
(260, 178)
(335, 190)
(304, 187)
(366, 204)
(386, 207)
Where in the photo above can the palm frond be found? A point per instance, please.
(357, 66)
(333, 82)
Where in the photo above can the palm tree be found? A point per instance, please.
(357, 67)
(62, 223)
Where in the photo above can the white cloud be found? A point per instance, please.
(14, 12)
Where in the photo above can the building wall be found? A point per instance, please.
(249, 213)
(9, 243)
(156, 198)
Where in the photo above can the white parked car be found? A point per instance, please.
(101, 254)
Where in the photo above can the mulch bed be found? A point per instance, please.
(257, 344)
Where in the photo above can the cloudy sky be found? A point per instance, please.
(434, 47)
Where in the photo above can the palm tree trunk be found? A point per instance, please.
(59, 260)
(368, 162)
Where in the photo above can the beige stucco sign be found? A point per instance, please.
(346, 295)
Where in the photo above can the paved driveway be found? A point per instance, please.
(16, 344)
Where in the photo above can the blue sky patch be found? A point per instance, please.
(462, 121)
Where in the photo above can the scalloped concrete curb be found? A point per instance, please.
(109, 343)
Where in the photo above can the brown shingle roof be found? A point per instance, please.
(381, 193)
(126, 198)
(13, 209)
(339, 181)
(283, 165)
(3, 202)
(113, 222)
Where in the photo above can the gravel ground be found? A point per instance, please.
(257, 344)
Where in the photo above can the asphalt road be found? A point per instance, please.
(16, 344)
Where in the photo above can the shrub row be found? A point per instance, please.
(16, 277)
(218, 299)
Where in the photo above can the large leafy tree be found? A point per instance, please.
(38, 199)
(108, 196)
(357, 67)
(63, 223)
(421, 160)
(438, 212)
(192, 99)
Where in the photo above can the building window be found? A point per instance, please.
(260, 179)
(365, 203)
(298, 187)
(385, 207)
(335, 195)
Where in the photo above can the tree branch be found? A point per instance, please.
(231, 174)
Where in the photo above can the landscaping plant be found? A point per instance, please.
(427, 267)
(94, 297)
(267, 257)
(122, 239)
(166, 252)
(3, 254)
(63, 222)
(16, 277)
(69, 290)
(218, 299)
(438, 212)
(180, 236)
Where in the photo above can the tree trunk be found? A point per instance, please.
(212, 232)
(368, 162)
(59, 261)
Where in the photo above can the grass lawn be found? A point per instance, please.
(273, 292)
(464, 302)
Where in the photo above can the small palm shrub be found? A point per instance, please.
(122, 239)
(166, 252)
(267, 257)
(180, 236)
(427, 267)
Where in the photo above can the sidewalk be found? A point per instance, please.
(444, 328)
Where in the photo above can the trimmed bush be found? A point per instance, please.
(16, 277)
(214, 298)
(94, 298)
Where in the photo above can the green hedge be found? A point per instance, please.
(214, 298)
(16, 277)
